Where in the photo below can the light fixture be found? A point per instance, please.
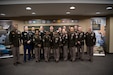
(28, 8)
(109, 8)
(72, 7)
(97, 12)
(67, 12)
(33, 13)
(2, 14)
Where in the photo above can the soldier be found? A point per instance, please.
(46, 43)
(37, 45)
(60, 42)
(75, 28)
(31, 33)
(26, 42)
(64, 27)
(14, 38)
(80, 43)
(56, 46)
(42, 33)
(65, 44)
(72, 41)
(90, 40)
(51, 36)
(59, 31)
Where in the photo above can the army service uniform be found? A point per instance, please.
(80, 45)
(14, 38)
(26, 38)
(31, 34)
(72, 41)
(56, 47)
(60, 44)
(42, 33)
(90, 40)
(37, 46)
(46, 45)
(65, 46)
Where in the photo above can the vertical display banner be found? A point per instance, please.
(5, 28)
(98, 25)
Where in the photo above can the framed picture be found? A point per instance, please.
(96, 26)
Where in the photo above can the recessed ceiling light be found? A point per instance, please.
(2, 14)
(97, 12)
(72, 7)
(109, 8)
(28, 8)
(67, 12)
(33, 13)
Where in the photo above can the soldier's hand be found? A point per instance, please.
(39, 45)
(28, 41)
(12, 46)
(78, 42)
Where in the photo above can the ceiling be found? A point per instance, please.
(45, 9)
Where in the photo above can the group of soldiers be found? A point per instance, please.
(68, 43)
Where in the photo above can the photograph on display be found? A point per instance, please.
(5, 28)
(96, 26)
(46, 28)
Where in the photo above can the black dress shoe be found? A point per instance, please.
(15, 64)
(90, 60)
(18, 62)
(57, 61)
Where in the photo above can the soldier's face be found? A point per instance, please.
(15, 26)
(51, 28)
(75, 27)
(71, 29)
(63, 31)
(60, 29)
(26, 28)
(80, 28)
(64, 27)
(37, 32)
(33, 28)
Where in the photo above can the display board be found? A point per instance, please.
(98, 25)
(5, 28)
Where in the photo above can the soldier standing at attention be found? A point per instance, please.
(75, 28)
(26, 43)
(32, 32)
(65, 44)
(56, 40)
(14, 38)
(90, 40)
(46, 43)
(37, 45)
(80, 43)
(51, 29)
(42, 33)
(60, 42)
(72, 41)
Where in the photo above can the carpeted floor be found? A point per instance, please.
(100, 66)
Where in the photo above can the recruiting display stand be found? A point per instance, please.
(98, 26)
(5, 49)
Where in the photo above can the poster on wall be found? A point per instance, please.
(98, 26)
(5, 28)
